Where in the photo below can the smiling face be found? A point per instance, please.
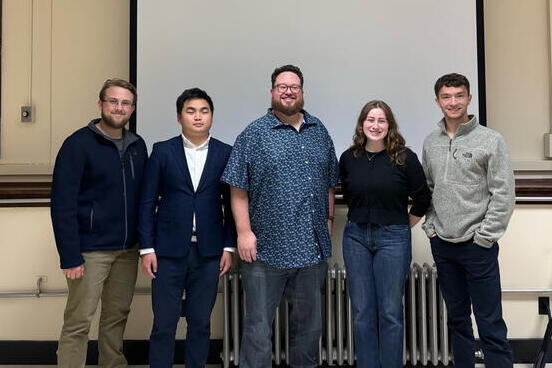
(287, 102)
(375, 127)
(116, 107)
(454, 102)
(195, 118)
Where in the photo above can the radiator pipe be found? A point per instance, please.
(339, 291)
(445, 351)
(236, 316)
(413, 356)
(286, 334)
(329, 314)
(433, 319)
(350, 336)
(422, 313)
(277, 346)
(38, 292)
(226, 322)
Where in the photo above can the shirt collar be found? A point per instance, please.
(275, 122)
(463, 129)
(188, 144)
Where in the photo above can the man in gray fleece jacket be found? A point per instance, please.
(468, 170)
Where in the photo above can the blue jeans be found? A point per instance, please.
(264, 287)
(469, 275)
(377, 259)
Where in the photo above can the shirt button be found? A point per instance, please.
(303, 147)
(312, 195)
(307, 162)
(309, 178)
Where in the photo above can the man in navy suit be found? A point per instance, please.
(187, 232)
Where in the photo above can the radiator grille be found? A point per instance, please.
(426, 338)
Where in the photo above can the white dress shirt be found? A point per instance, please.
(195, 159)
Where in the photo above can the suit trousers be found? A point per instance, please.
(109, 276)
(198, 277)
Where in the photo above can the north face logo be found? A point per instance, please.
(467, 154)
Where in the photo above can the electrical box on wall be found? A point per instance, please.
(27, 115)
(548, 145)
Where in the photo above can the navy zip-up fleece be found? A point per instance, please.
(95, 193)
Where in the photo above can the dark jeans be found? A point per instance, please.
(377, 258)
(264, 287)
(198, 276)
(469, 275)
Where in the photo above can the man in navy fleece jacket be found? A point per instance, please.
(95, 192)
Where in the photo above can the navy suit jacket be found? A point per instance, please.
(168, 202)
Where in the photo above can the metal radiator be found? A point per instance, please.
(426, 339)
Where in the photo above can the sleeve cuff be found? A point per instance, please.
(66, 263)
(416, 212)
(235, 183)
(485, 243)
(146, 251)
(429, 230)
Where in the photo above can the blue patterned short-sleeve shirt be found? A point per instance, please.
(287, 174)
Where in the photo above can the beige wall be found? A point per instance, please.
(28, 245)
(27, 239)
(518, 77)
(59, 52)
(517, 52)
(56, 54)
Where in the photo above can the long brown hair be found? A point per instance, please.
(394, 141)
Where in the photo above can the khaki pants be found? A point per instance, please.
(111, 277)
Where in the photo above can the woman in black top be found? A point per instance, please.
(379, 174)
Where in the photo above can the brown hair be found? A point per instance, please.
(451, 80)
(286, 68)
(394, 141)
(116, 82)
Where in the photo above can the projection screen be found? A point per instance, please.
(350, 52)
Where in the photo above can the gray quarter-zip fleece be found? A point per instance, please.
(472, 184)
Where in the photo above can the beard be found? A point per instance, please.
(109, 121)
(288, 110)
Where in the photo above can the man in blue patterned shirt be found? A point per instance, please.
(282, 172)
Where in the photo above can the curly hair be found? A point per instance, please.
(394, 141)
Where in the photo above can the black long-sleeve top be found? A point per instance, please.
(376, 190)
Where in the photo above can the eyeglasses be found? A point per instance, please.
(282, 88)
(114, 102)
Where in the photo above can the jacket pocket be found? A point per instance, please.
(85, 218)
(92, 218)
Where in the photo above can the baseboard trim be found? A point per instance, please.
(44, 352)
(25, 352)
(525, 350)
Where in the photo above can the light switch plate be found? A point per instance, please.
(27, 114)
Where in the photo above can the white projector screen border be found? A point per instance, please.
(325, 88)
